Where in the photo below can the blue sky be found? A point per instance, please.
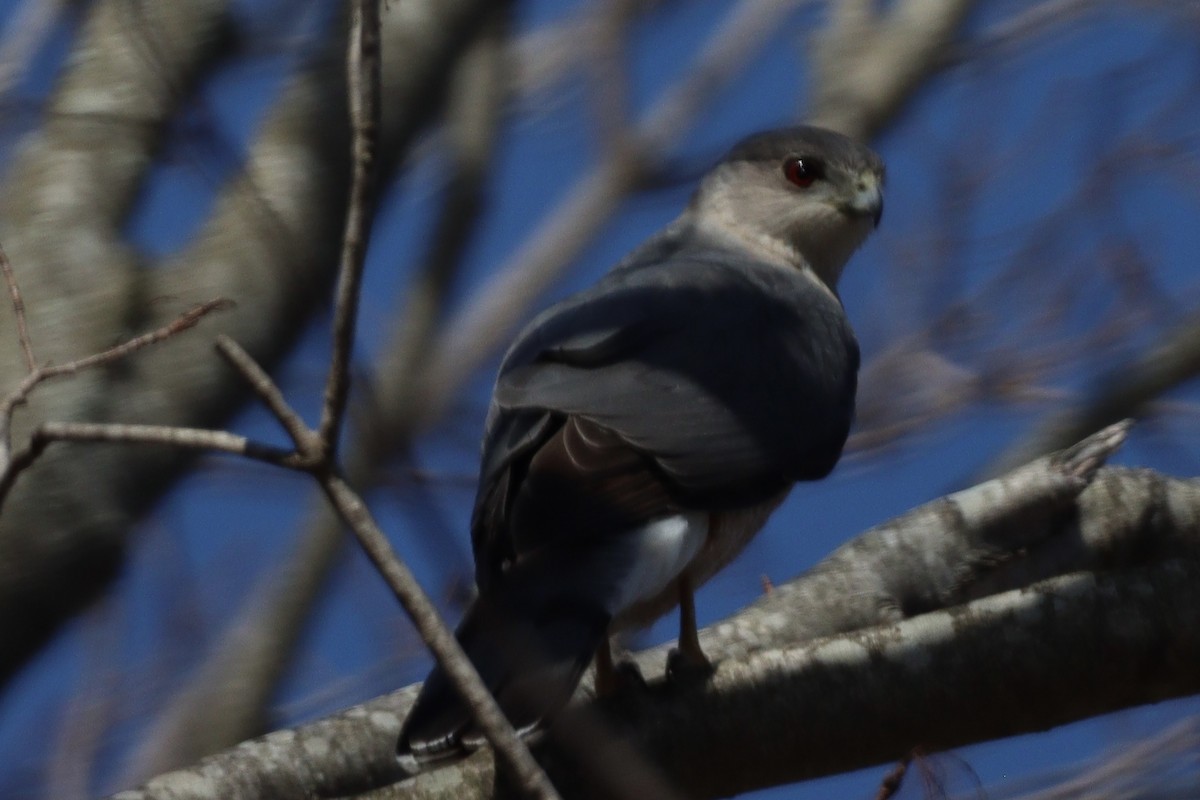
(1035, 118)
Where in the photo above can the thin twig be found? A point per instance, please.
(11, 465)
(441, 642)
(191, 438)
(266, 389)
(15, 464)
(364, 108)
(187, 319)
(354, 513)
(19, 310)
(363, 78)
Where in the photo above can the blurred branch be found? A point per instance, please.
(270, 243)
(609, 72)
(473, 335)
(1023, 27)
(68, 190)
(546, 57)
(1163, 766)
(18, 306)
(871, 59)
(25, 32)
(473, 115)
(90, 709)
(1174, 359)
(919, 34)
(939, 679)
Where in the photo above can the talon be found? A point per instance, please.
(623, 677)
(616, 677)
(688, 666)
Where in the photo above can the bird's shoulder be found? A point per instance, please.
(686, 293)
(718, 379)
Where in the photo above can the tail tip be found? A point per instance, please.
(415, 755)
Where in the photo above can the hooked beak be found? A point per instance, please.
(868, 198)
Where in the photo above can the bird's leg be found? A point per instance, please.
(614, 677)
(688, 658)
(606, 674)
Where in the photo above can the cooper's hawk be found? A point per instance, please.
(642, 431)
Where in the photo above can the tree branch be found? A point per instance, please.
(871, 694)
(226, 698)
(871, 59)
(1171, 361)
(270, 243)
(363, 70)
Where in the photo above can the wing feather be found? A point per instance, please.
(698, 384)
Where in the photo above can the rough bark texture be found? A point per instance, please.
(1019, 661)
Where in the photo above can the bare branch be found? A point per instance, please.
(18, 305)
(184, 321)
(1175, 358)
(11, 466)
(226, 697)
(267, 391)
(870, 60)
(441, 641)
(189, 438)
(270, 241)
(865, 696)
(363, 71)
(1045, 500)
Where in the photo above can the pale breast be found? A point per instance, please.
(728, 533)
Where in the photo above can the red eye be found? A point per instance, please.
(803, 171)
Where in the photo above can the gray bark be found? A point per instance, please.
(787, 704)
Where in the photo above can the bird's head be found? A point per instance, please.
(803, 196)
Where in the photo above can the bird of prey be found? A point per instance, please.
(642, 431)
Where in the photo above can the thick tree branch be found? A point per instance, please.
(871, 59)
(924, 680)
(1073, 647)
